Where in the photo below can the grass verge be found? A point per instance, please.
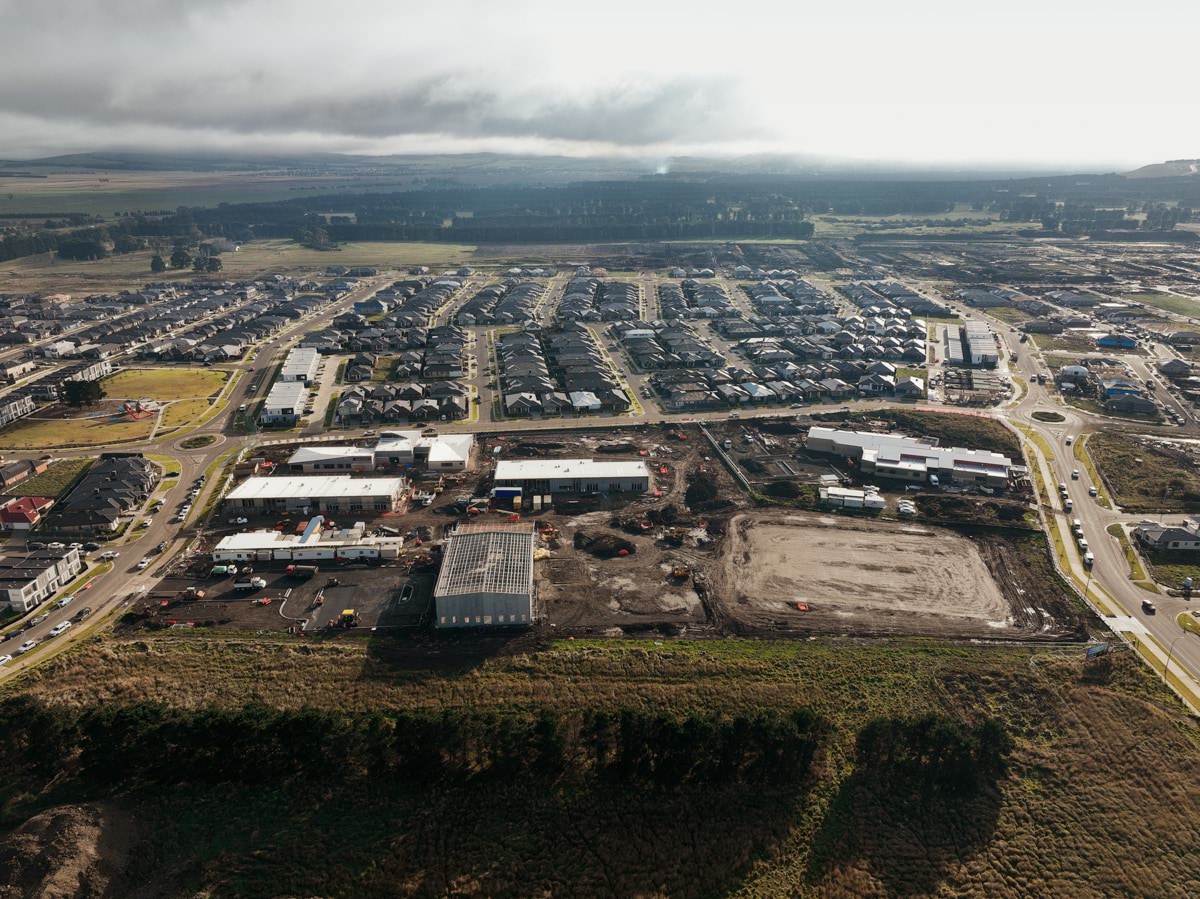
(1136, 571)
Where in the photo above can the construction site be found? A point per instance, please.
(715, 546)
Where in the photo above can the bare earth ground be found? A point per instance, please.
(864, 576)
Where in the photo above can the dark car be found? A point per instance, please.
(36, 545)
(83, 613)
(91, 547)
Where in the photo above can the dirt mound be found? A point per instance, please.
(603, 545)
(616, 448)
(72, 850)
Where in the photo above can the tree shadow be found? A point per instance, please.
(905, 839)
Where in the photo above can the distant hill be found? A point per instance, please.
(1173, 168)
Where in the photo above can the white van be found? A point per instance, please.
(1067, 504)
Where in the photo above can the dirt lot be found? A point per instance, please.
(868, 577)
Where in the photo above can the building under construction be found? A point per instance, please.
(487, 575)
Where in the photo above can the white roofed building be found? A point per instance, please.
(284, 403)
(317, 459)
(310, 494)
(911, 459)
(540, 476)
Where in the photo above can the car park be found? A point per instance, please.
(25, 647)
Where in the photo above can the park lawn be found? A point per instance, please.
(163, 384)
(48, 433)
(183, 412)
(52, 482)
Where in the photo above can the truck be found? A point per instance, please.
(1089, 560)
(223, 570)
(303, 571)
(250, 584)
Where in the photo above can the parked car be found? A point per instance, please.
(65, 601)
(38, 619)
(61, 628)
(145, 563)
(91, 547)
(36, 544)
(239, 521)
(25, 647)
(146, 522)
(4, 660)
(56, 546)
(82, 613)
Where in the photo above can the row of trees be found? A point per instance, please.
(152, 743)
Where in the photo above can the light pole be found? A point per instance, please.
(1170, 653)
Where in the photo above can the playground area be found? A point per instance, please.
(134, 401)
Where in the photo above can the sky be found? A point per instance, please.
(1053, 83)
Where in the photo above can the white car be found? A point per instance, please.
(26, 646)
(61, 628)
(65, 601)
(145, 563)
(146, 522)
(56, 546)
(5, 660)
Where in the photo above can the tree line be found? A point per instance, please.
(150, 743)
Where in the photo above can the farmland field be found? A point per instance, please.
(1102, 787)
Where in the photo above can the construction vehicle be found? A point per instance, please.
(254, 583)
(223, 570)
(681, 572)
(304, 571)
(348, 618)
(192, 593)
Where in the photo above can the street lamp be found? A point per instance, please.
(1170, 653)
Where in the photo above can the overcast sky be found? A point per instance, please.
(1091, 84)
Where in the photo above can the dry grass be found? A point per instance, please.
(48, 433)
(1103, 796)
(164, 384)
(53, 481)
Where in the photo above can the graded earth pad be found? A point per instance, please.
(855, 576)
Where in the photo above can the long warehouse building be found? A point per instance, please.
(487, 576)
(911, 459)
(573, 476)
(310, 494)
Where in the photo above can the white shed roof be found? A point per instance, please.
(550, 469)
(315, 486)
